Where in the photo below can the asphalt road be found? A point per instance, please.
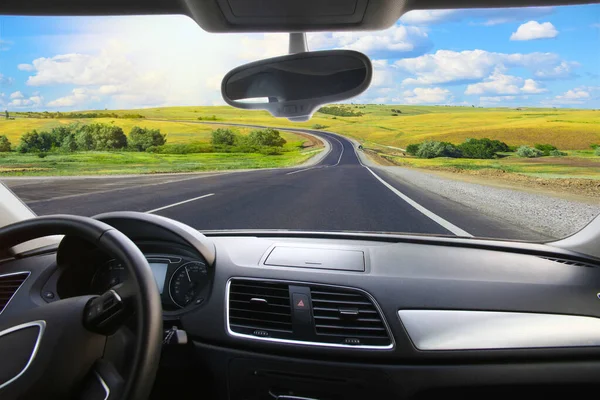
(339, 193)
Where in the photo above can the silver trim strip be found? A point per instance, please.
(301, 342)
(104, 385)
(437, 330)
(15, 293)
(41, 324)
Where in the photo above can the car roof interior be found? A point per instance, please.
(267, 15)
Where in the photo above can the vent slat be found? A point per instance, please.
(9, 285)
(272, 318)
(345, 316)
(567, 262)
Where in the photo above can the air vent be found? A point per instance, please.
(568, 262)
(260, 309)
(345, 316)
(9, 284)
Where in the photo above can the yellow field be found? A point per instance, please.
(567, 129)
(177, 132)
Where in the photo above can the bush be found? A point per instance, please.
(224, 137)
(106, 137)
(180, 148)
(412, 149)
(35, 142)
(266, 137)
(529, 152)
(597, 151)
(42, 155)
(211, 118)
(4, 144)
(431, 149)
(482, 148)
(84, 140)
(340, 111)
(319, 126)
(594, 146)
(545, 148)
(394, 115)
(141, 139)
(270, 151)
(557, 153)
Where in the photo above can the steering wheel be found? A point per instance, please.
(64, 341)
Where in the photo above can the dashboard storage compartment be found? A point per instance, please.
(318, 258)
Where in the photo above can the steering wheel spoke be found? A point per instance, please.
(104, 382)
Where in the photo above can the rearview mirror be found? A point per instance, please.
(294, 86)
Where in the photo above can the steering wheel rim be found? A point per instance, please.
(146, 299)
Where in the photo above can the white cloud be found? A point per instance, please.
(501, 84)
(25, 67)
(20, 101)
(16, 95)
(532, 87)
(577, 96)
(398, 39)
(5, 45)
(446, 66)
(533, 30)
(496, 99)
(560, 71)
(78, 96)
(489, 16)
(434, 95)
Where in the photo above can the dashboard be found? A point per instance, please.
(350, 316)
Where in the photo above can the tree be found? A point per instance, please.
(69, 143)
(223, 137)
(412, 149)
(482, 148)
(4, 144)
(432, 149)
(35, 142)
(142, 139)
(266, 137)
(545, 148)
(108, 137)
(85, 140)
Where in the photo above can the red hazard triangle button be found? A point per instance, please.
(300, 301)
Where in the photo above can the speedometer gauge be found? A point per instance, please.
(186, 282)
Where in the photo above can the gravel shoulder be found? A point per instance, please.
(549, 215)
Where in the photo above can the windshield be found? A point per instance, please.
(481, 123)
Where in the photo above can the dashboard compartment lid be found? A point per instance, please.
(318, 258)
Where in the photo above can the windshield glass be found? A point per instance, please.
(480, 123)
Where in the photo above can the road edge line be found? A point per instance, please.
(179, 203)
(430, 214)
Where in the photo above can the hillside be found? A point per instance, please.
(565, 128)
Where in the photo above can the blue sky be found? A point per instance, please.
(536, 57)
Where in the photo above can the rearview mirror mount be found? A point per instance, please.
(296, 85)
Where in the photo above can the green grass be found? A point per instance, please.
(578, 164)
(108, 163)
(569, 129)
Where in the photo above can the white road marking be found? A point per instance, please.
(305, 169)
(431, 215)
(179, 203)
(341, 154)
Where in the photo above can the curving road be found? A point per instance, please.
(339, 193)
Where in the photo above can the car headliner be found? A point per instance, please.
(266, 15)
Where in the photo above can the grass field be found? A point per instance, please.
(570, 130)
(567, 129)
(578, 164)
(109, 163)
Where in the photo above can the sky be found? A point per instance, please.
(524, 57)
